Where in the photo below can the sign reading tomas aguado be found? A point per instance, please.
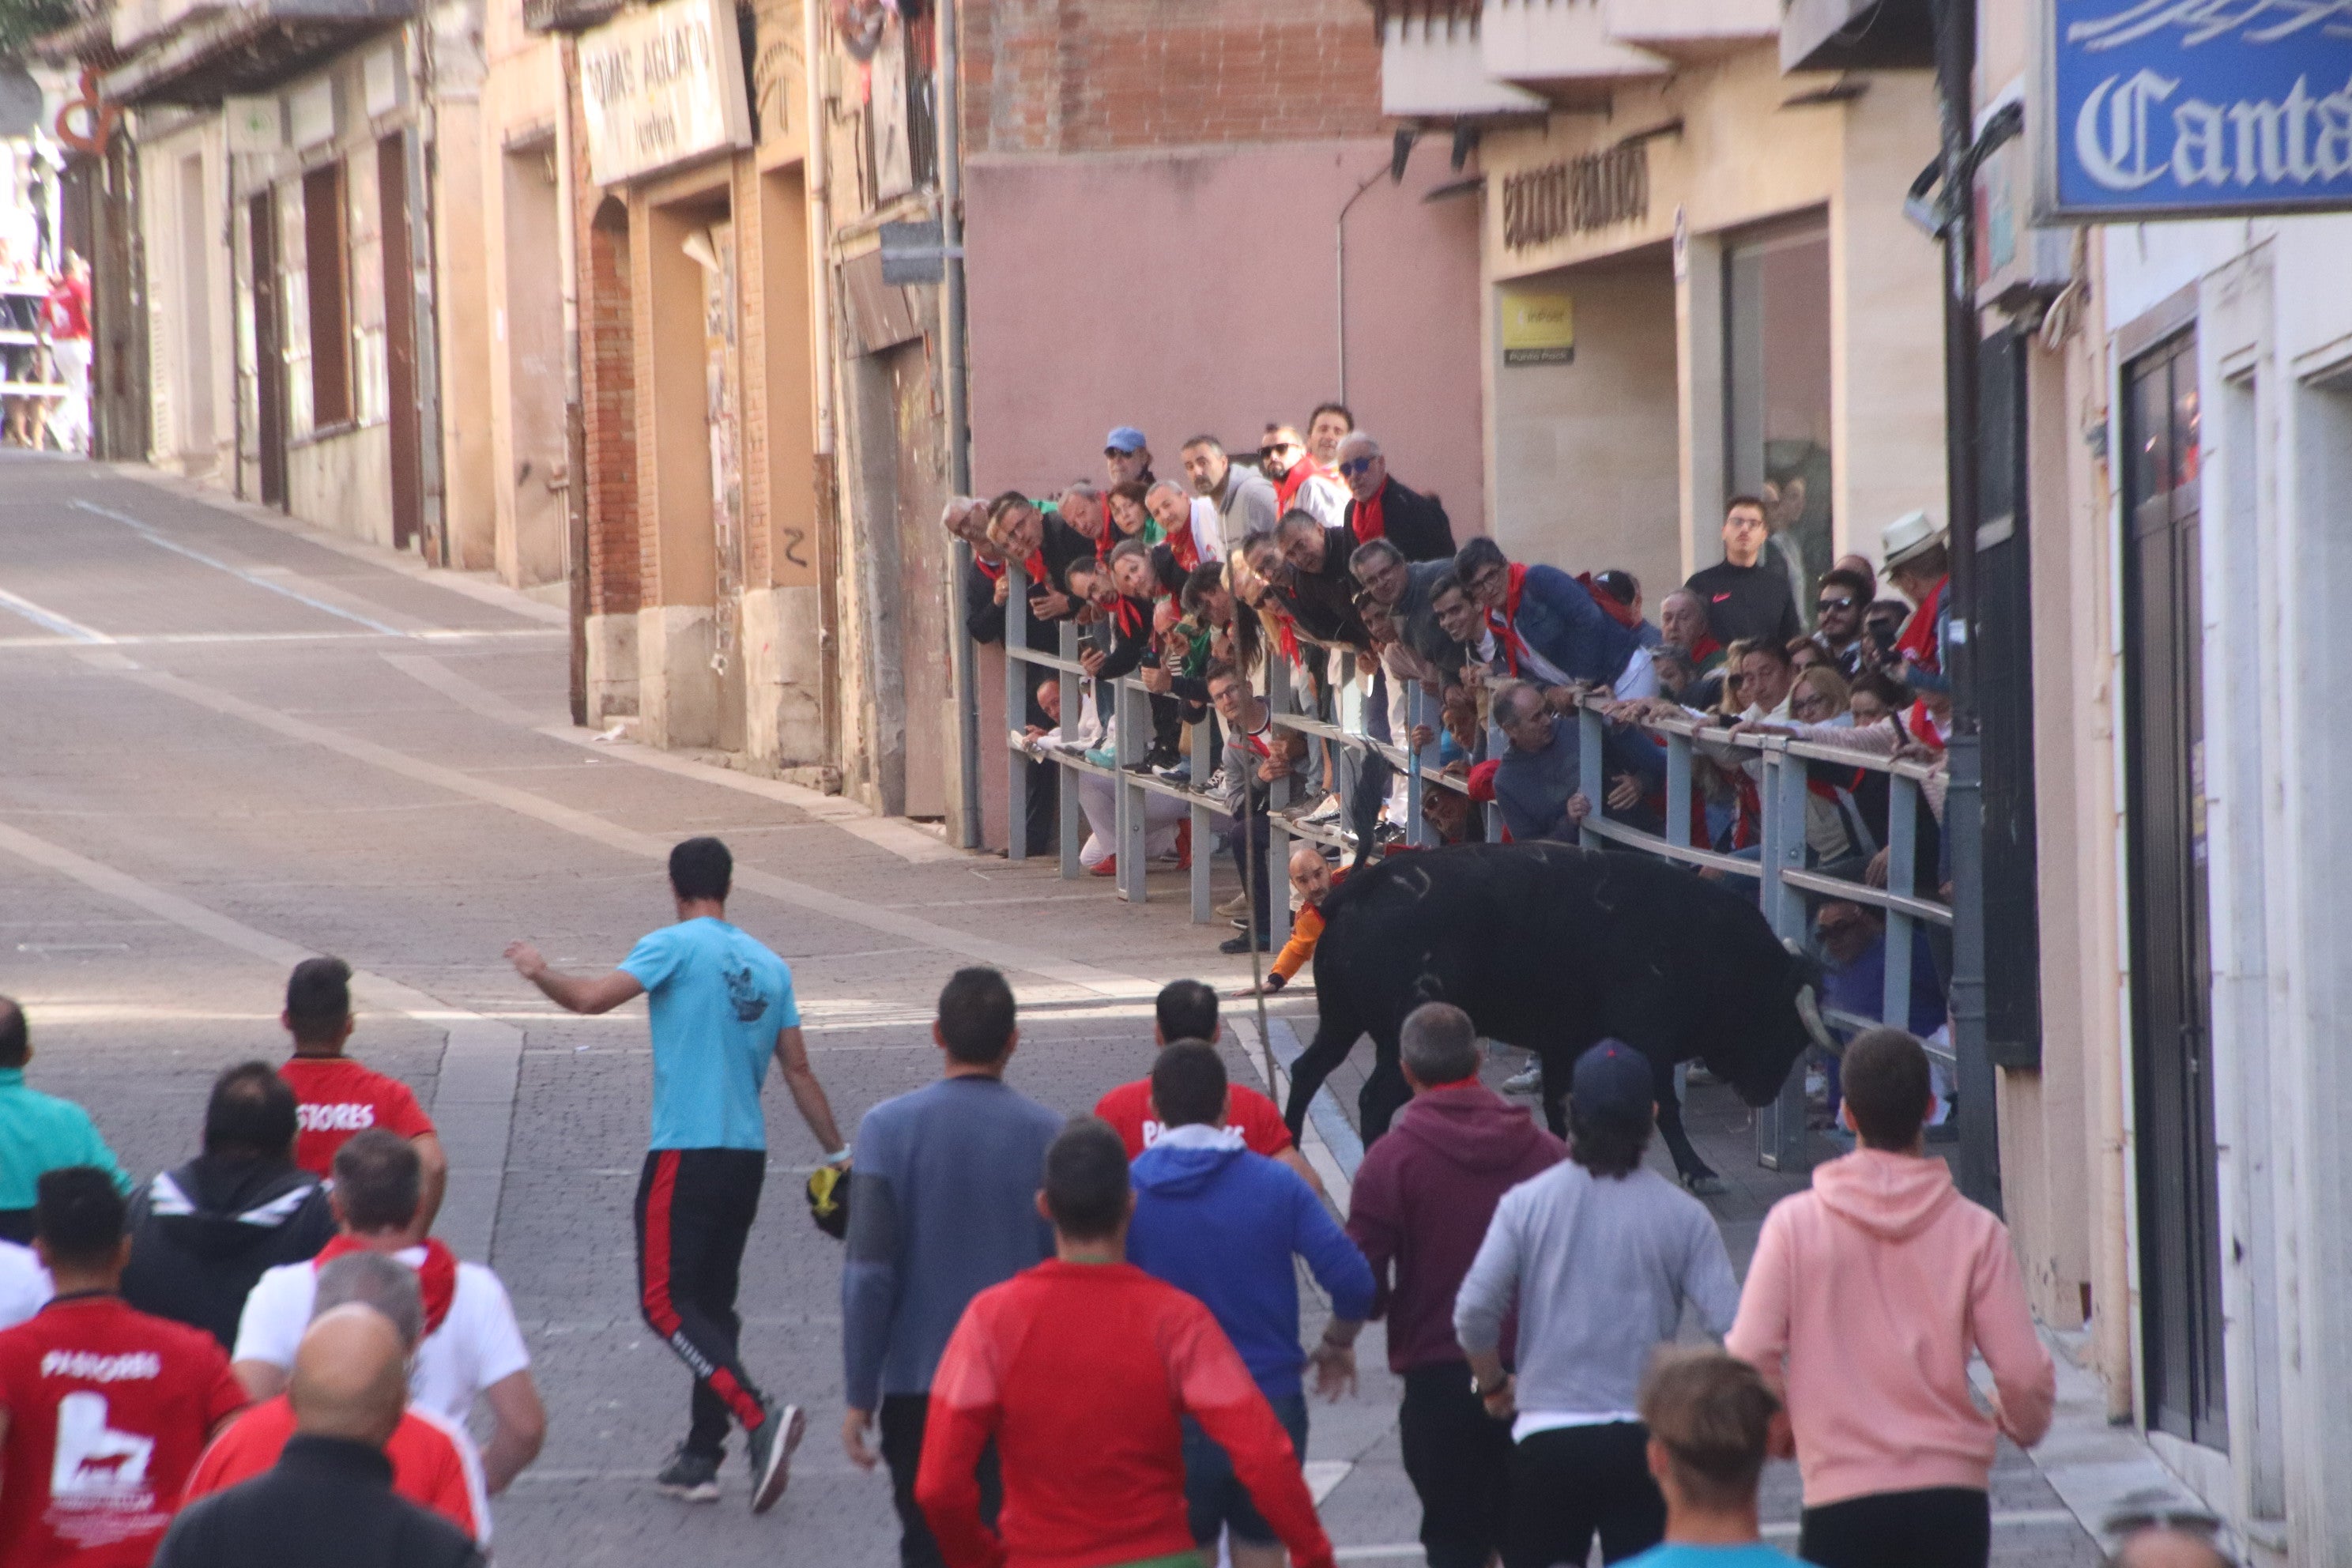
(2194, 108)
(661, 85)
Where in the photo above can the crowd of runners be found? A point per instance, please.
(1072, 1343)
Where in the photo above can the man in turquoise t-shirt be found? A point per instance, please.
(1712, 1420)
(722, 1005)
(38, 1132)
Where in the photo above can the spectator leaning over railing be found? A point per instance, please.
(1681, 617)
(1383, 509)
(1083, 510)
(1299, 481)
(1258, 756)
(1553, 629)
(1244, 501)
(1186, 523)
(1130, 518)
(1309, 570)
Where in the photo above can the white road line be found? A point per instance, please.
(148, 532)
(64, 626)
(171, 640)
(474, 1093)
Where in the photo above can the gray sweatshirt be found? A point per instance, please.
(1600, 1269)
(943, 1205)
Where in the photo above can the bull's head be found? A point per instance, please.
(1808, 999)
(1769, 1022)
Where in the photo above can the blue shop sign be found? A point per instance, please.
(2194, 108)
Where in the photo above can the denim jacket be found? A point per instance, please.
(1560, 621)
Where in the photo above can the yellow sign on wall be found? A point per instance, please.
(1538, 327)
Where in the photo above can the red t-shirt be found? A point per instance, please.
(108, 1409)
(336, 1098)
(1128, 1109)
(429, 1468)
(67, 308)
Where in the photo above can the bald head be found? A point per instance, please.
(2162, 1546)
(351, 1376)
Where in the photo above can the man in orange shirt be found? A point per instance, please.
(338, 1097)
(1312, 877)
(433, 1462)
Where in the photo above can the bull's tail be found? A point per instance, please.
(1373, 782)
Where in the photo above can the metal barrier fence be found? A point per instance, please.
(1779, 869)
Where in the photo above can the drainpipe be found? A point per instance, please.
(820, 221)
(1339, 244)
(575, 428)
(959, 436)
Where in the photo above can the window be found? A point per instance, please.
(322, 261)
(1776, 386)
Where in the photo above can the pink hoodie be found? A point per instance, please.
(1874, 1287)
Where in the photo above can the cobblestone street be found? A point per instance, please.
(226, 743)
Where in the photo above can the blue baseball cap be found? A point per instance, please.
(1126, 438)
(1614, 1082)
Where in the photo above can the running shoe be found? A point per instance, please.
(773, 1442)
(689, 1477)
(1527, 1081)
(1238, 905)
(1242, 944)
(1331, 810)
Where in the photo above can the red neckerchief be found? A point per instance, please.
(1035, 568)
(1255, 739)
(992, 570)
(1921, 725)
(1126, 616)
(1184, 548)
(1707, 648)
(1286, 635)
(1367, 519)
(1744, 827)
(1287, 489)
(1622, 613)
(1917, 642)
(437, 1278)
(1506, 636)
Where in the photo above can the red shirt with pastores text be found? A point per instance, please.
(108, 1409)
(1128, 1109)
(337, 1097)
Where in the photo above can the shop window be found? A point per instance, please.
(1777, 391)
(322, 262)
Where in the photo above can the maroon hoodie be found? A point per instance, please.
(1422, 1201)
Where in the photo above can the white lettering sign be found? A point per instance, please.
(661, 86)
(2128, 134)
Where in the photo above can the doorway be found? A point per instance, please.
(269, 348)
(2172, 968)
(1776, 393)
(713, 250)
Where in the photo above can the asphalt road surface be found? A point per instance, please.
(226, 743)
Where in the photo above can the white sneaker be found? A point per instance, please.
(1528, 1081)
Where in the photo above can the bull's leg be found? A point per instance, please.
(1697, 1175)
(1385, 1092)
(1334, 1036)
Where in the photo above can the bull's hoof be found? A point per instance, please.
(1705, 1184)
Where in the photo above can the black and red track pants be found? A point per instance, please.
(694, 1212)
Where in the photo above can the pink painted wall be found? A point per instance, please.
(1193, 290)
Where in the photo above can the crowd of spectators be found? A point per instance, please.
(1309, 569)
(260, 1354)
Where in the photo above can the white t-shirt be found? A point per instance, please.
(24, 1284)
(478, 1344)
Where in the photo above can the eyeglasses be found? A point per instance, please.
(1277, 448)
(1355, 465)
(1834, 605)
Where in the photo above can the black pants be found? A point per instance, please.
(694, 1212)
(1459, 1460)
(1572, 1482)
(1938, 1527)
(903, 1416)
(1243, 864)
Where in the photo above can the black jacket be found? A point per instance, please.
(1324, 603)
(201, 1236)
(327, 1503)
(1415, 523)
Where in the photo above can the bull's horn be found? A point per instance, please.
(1793, 946)
(1809, 1012)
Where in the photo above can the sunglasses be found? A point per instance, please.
(1278, 448)
(1834, 605)
(1355, 465)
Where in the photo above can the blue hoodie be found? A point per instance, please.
(1221, 1224)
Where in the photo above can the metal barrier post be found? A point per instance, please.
(1780, 1141)
(1065, 794)
(1134, 814)
(1678, 790)
(1902, 877)
(1016, 711)
(1203, 819)
(1588, 737)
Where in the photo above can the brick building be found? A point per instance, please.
(1164, 207)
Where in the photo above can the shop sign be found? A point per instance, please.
(1577, 194)
(1538, 327)
(660, 85)
(2194, 108)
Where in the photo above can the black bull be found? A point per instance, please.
(1550, 947)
